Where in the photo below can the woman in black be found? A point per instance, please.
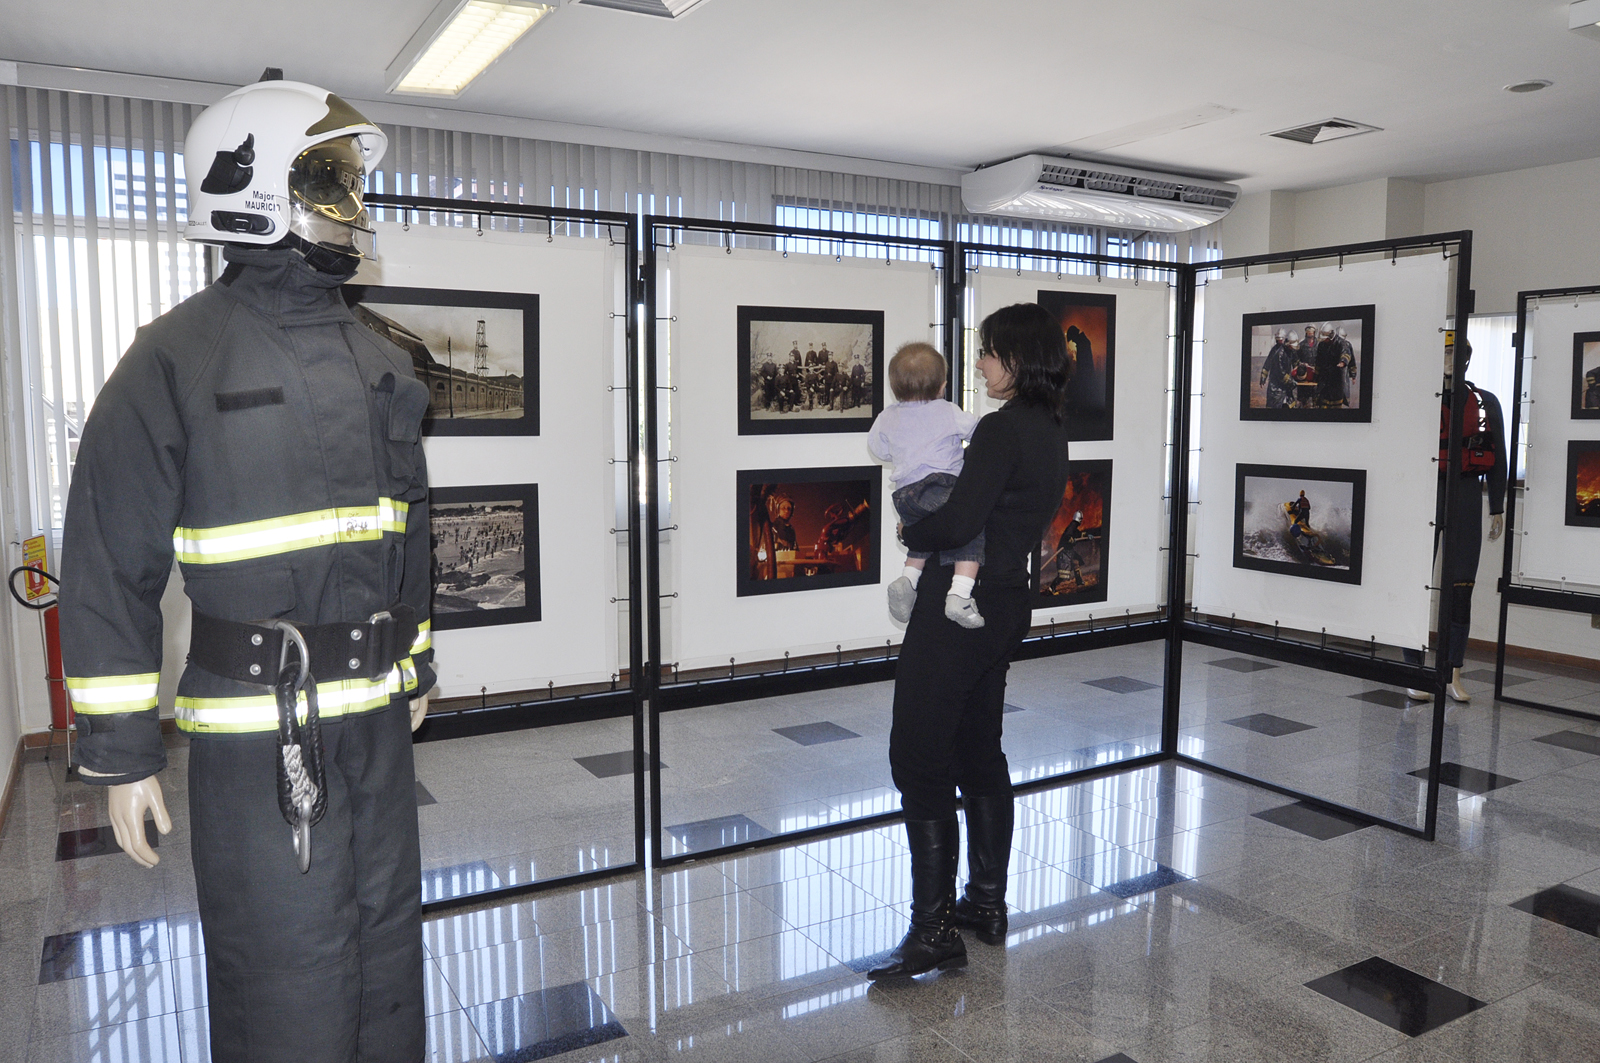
(950, 682)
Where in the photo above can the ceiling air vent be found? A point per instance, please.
(1324, 131)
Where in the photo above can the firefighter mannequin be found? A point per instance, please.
(271, 443)
(1483, 456)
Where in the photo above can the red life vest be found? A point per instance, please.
(1478, 436)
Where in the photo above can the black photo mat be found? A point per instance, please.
(807, 529)
(1583, 483)
(477, 353)
(1270, 537)
(485, 555)
(807, 369)
(1071, 564)
(1586, 375)
(1089, 321)
(1329, 380)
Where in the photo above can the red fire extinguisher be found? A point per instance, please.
(61, 715)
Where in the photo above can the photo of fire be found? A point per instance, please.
(1583, 483)
(805, 529)
(1070, 566)
(1089, 322)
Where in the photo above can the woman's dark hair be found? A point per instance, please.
(1031, 347)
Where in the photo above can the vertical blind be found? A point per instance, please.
(94, 233)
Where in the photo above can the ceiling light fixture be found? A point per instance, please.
(661, 8)
(1584, 17)
(458, 41)
(1531, 85)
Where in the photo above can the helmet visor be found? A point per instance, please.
(329, 177)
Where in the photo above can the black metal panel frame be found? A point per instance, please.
(1512, 593)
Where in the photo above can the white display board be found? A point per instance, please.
(578, 282)
(1139, 424)
(707, 623)
(1397, 451)
(1552, 551)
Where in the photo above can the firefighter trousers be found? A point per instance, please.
(324, 967)
(1462, 533)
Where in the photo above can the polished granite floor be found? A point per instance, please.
(1158, 914)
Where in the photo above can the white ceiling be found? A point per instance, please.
(945, 83)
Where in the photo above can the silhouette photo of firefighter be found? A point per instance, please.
(1089, 322)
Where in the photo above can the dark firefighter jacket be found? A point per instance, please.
(271, 442)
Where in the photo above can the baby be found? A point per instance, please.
(921, 439)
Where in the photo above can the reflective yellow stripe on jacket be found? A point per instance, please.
(100, 695)
(282, 535)
(336, 698)
(424, 639)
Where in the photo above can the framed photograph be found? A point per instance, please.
(1300, 521)
(1070, 564)
(485, 555)
(803, 369)
(1089, 320)
(1307, 365)
(1583, 483)
(477, 352)
(1586, 375)
(807, 529)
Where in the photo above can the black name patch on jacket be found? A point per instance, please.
(228, 401)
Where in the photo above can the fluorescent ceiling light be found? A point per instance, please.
(1584, 17)
(459, 41)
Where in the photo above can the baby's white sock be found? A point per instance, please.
(911, 574)
(961, 586)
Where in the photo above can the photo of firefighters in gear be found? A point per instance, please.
(1300, 522)
(809, 370)
(1089, 320)
(479, 560)
(1583, 483)
(1071, 565)
(810, 533)
(1586, 375)
(1308, 365)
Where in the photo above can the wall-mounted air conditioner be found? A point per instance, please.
(1042, 186)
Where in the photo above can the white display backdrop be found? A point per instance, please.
(1396, 449)
(578, 283)
(707, 622)
(1552, 551)
(1139, 427)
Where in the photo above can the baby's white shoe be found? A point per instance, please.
(963, 611)
(902, 596)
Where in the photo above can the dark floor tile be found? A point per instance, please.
(814, 734)
(609, 765)
(1573, 740)
(1121, 684)
(423, 796)
(1486, 675)
(97, 841)
(1308, 819)
(1567, 905)
(1119, 1058)
(106, 948)
(1467, 780)
(545, 1023)
(1391, 698)
(714, 833)
(1241, 664)
(1014, 708)
(1396, 997)
(1161, 876)
(1267, 724)
(458, 880)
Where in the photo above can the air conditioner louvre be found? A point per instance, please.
(1069, 190)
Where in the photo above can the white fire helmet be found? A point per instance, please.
(281, 159)
(1280, 335)
(1343, 334)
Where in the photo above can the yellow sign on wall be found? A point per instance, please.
(33, 556)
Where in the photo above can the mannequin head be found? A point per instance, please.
(1450, 354)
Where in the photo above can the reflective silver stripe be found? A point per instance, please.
(281, 535)
(259, 712)
(100, 695)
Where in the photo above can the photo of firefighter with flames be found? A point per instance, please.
(805, 529)
(1583, 483)
(1070, 567)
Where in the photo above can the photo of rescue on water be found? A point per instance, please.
(1300, 521)
(485, 555)
(1089, 320)
(1307, 365)
(1586, 375)
(477, 353)
(1583, 483)
(1070, 566)
(806, 529)
(803, 369)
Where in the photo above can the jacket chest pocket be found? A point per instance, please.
(402, 402)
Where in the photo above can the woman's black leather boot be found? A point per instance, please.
(933, 940)
(983, 908)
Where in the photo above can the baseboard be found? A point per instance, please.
(11, 785)
(1527, 653)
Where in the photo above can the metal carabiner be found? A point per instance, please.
(292, 636)
(302, 834)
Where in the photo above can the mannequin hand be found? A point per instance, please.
(1497, 526)
(419, 711)
(126, 803)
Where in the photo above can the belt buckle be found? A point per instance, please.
(380, 645)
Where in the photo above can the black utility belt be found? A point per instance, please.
(255, 653)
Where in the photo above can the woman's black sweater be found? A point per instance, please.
(1009, 488)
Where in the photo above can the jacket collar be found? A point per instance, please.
(279, 284)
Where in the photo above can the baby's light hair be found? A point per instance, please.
(916, 372)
